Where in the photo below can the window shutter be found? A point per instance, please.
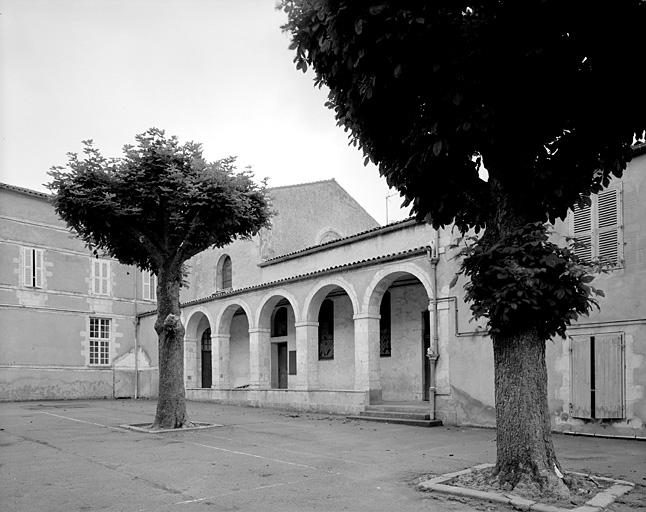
(608, 376)
(146, 285)
(38, 268)
(153, 287)
(582, 231)
(28, 266)
(608, 227)
(106, 278)
(580, 377)
(96, 279)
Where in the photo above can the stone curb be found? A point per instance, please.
(144, 427)
(597, 503)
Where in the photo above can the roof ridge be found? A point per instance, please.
(302, 184)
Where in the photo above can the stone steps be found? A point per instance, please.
(413, 415)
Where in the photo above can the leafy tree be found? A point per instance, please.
(539, 92)
(156, 207)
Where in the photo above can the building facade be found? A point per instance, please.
(68, 318)
(330, 312)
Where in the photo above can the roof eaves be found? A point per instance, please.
(376, 231)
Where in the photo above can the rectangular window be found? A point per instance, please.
(33, 267)
(597, 376)
(99, 341)
(100, 277)
(598, 228)
(149, 286)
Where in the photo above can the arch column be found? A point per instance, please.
(259, 359)
(220, 360)
(307, 357)
(366, 355)
(191, 370)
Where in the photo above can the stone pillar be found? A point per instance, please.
(259, 359)
(220, 361)
(191, 370)
(366, 356)
(307, 355)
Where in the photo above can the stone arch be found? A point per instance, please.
(227, 310)
(385, 277)
(316, 296)
(193, 318)
(267, 304)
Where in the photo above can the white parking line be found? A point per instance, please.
(264, 458)
(309, 454)
(81, 421)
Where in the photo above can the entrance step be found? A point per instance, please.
(401, 414)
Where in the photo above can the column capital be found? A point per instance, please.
(259, 330)
(220, 336)
(306, 324)
(366, 316)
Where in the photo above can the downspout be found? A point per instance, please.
(432, 353)
(136, 322)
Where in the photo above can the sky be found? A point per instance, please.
(217, 72)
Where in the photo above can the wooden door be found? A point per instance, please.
(282, 366)
(206, 359)
(426, 363)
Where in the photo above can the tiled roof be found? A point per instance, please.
(316, 273)
(341, 241)
(25, 191)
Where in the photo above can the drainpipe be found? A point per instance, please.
(432, 353)
(136, 344)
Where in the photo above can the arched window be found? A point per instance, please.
(224, 273)
(279, 325)
(326, 330)
(384, 326)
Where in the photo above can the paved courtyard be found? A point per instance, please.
(73, 456)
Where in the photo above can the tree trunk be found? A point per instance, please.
(171, 405)
(525, 451)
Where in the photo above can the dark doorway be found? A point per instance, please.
(206, 359)
(426, 343)
(282, 365)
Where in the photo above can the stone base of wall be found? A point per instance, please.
(326, 401)
(23, 382)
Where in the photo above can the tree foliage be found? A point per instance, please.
(526, 276)
(540, 90)
(161, 202)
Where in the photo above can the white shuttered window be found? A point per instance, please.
(33, 267)
(597, 376)
(149, 286)
(101, 277)
(599, 228)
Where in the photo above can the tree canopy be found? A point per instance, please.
(540, 91)
(161, 202)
